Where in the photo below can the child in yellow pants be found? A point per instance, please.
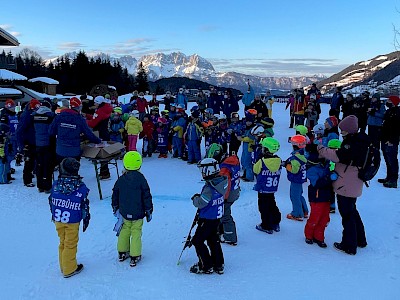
(69, 205)
(132, 200)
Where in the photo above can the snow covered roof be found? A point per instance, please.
(9, 91)
(44, 80)
(7, 39)
(8, 75)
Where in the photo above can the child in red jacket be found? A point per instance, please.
(147, 135)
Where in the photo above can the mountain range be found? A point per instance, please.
(379, 73)
(177, 64)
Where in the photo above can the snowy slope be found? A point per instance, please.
(262, 266)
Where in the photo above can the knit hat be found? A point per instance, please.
(107, 96)
(34, 104)
(332, 121)
(10, 103)
(349, 124)
(395, 100)
(69, 167)
(141, 94)
(75, 102)
(99, 100)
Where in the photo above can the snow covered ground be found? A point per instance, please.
(261, 266)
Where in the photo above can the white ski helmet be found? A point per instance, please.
(134, 113)
(209, 167)
(222, 117)
(319, 129)
(257, 130)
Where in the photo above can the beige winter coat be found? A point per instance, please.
(348, 184)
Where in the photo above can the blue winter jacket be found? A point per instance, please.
(320, 188)
(25, 130)
(181, 99)
(214, 102)
(42, 118)
(375, 116)
(248, 98)
(337, 101)
(68, 127)
(193, 132)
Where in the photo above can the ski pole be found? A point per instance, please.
(188, 242)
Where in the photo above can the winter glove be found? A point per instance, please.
(194, 196)
(148, 215)
(2, 153)
(334, 176)
(86, 222)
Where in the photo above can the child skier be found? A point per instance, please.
(210, 204)
(194, 133)
(268, 171)
(5, 174)
(162, 137)
(69, 205)
(132, 199)
(230, 167)
(234, 130)
(116, 126)
(148, 136)
(133, 127)
(333, 144)
(248, 141)
(320, 193)
(331, 129)
(177, 129)
(297, 175)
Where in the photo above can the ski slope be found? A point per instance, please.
(261, 266)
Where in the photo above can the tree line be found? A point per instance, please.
(80, 74)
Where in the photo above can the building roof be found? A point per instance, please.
(7, 39)
(9, 75)
(9, 91)
(46, 80)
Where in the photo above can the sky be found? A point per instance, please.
(265, 38)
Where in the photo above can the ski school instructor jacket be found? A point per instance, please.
(68, 127)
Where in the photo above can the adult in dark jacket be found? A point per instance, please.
(99, 122)
(348, 106)
(360, 107)
(347, 186)
(45, 147)
(375, 112)
(260, 107)
(390, 136)
(68, 127)
(201, 101)
(337, 101)
(214, 101)
(168, 99)
(230, 104)
(27, 142)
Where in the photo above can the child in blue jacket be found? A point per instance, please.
(210, 205)
(297, 175)
(320, 193)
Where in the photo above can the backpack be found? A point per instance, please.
(363, 155)
(372, 161)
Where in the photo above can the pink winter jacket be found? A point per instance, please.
(348, 184)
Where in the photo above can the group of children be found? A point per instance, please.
(132, 201)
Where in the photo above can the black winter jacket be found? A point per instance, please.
(131, 195)
(391, 126)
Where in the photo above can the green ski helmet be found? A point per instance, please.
(271, 144)
(215, 151)
(301, 129)
(334, 144)
(132, 160)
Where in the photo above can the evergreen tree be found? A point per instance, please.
(142, 84)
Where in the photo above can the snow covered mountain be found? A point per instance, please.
(377, 73)
(177, 64)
